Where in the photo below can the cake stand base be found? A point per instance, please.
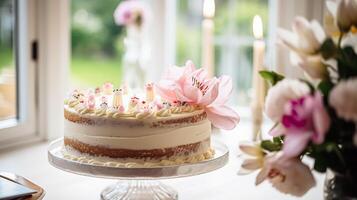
(139, 190)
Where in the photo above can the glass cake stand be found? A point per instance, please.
(137, 182)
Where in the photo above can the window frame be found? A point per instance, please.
(23, 128)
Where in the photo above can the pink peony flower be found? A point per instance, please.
(186, 84)
(288, 175)
(280, 94)
(304, 119)
(343, 98)
(129, 12)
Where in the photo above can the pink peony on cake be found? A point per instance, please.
(171, 120)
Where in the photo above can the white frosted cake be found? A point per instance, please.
(116, 123)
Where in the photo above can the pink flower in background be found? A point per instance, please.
(129, 12)
(304, 119)
(288, 175)
(186, 84)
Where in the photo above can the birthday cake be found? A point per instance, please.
(171, 120)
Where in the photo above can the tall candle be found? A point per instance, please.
(257, 81)
(208, 36)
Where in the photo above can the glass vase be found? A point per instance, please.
(339, 186)
(134, 74)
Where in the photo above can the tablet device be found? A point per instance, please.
(11, 190)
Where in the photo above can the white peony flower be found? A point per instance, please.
(280, 94)
(330, 21)
(313, 65)
(305, 41)
(343, 98)
(306, 37)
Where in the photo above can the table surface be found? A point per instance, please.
(31, 162)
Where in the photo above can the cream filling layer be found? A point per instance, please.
(131, 138)
(123, 130)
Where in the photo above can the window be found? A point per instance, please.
(8, 108)
(96, 44)
(17, 83)
(233, 38)
(98, 47)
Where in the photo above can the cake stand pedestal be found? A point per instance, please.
(137, 182)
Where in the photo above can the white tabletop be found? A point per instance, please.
(31, 162)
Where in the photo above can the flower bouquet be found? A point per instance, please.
(314, 117)
(130, 13)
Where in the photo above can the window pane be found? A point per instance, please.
(233, 39)
(188, 31)
(96, 43)
(7, 61)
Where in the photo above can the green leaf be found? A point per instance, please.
(270, 146)
(271, 76)
(320, 164)
(276, 139)
(347, 63)
(325, 86)
(279, 140)
(328, 49)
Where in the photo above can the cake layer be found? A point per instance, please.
(159, 153)
(138, 137)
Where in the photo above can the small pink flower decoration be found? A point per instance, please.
(129, 12)
(134, 100)
(186, 84)
(159, 105)
(107, 88)
(304, 119)
(91, 102)
(104, 99)
(121, 109)
(108, 85)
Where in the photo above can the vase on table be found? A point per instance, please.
(339, 186)
(133, 71)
